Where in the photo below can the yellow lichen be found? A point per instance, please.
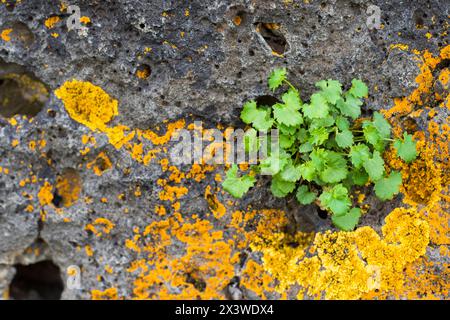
(88, 104)
(5, 35)
(105, 224)
(85, 20)
(108, 294)
(68, 186)
(100, 164)
(51, 22)
(45, 194)
(217, 208)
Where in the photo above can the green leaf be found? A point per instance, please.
(348, 221)
(317, 108)
(305, 147)
(336, 199)
(319, 158)
(308, 171)
(318, 136)
(286, 141)
(382, 125)
(335, 168)
(287, 129)
(276, 78)
(287, 115)
(342, 123)
(359, 176)
(349, 106)
(291, 99)
(344, 139)
(328, 121)
(291, 173)
(359, 154)
(371, 133)
(374, 166)
(251, 140)
(302, 135)
(235, 185)
(406, 149)
(386, 188)
(331, 90)
(358, 89)
(259, 118)
(274, 163)
(304, 196)
(373, 136)
(281, 188)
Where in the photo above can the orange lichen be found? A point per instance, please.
(45, 194)
(217, 208)
(68, 186)
(5, 35)
(255, 278)
(444, 78)
(422, 179)
(171, 193)
(198, 172)
(100, 164)
(424, 81)
(345, 262)
(88, 104)
(105, 224)
(163, 139)
(108, 294)
(51, 22)
(85, 20)
(143, 72)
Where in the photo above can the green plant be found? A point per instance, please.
(325, 148)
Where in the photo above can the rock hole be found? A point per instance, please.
(68, 188)
(237, 20)
(20, 91)
(266, 100)
(237, 14)
(196, 281)
(38, 281)
(418, 16)
(57, 199)
(272, 35)
(442, 65)
(410, 125)
(323, 214)
(20, 33)
(10, 5)
(143, 71)
(51, 113)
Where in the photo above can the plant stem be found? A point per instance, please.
(290, 84)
